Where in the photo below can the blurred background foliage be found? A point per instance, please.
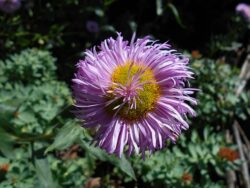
(42, 145)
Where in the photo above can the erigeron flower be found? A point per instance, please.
(92, 26)
(9, 6)
(244, 9)
(136, 94)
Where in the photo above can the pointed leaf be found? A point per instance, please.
(6, 143)
(159, 9)
(176, 14)
(44, 174)
(66, 136)
(122, 163)
(126, 167)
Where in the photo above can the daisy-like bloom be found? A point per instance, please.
(228, 154)
(92, 26)
(134, 94)
(187, 177)
(4, 167)
(244, 9)
(9, 6)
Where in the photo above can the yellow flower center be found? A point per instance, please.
(147, 96)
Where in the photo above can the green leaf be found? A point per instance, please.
(192, 151)
(126, 167)
(99, 12)
(206, 133)
(96, 152)
(219, 171)
(123, 164)
(44, 174)
(27, 117)
(7, 109)
(159, 9)
(194, 137)
(108, 2)
(6, 143)
(66, 136)
(176, 14)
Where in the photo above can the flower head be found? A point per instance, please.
(196, 54)
(244, 9)
(134, 93)
(4, 167)
(92, 26)
(228, 154)
(187, 177)
(9, 6)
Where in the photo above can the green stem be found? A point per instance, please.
(35, 138)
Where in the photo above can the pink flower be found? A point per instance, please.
(134, 93)
(9, 6)
(92, 26)
(244, 9)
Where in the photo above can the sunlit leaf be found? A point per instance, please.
(159, 9)
(108, 2)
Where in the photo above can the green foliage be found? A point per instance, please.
(46, 147)
(195, 155)
(42, 145)
(49, 172)
(66, 137)
(31, 66)
(243, 111)
(71, 172)
(20, 173)
(44, 174)
(33, 105)
(123, 164)
(176, 14)
(72, 133)
(35, 108)
(217, 99)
